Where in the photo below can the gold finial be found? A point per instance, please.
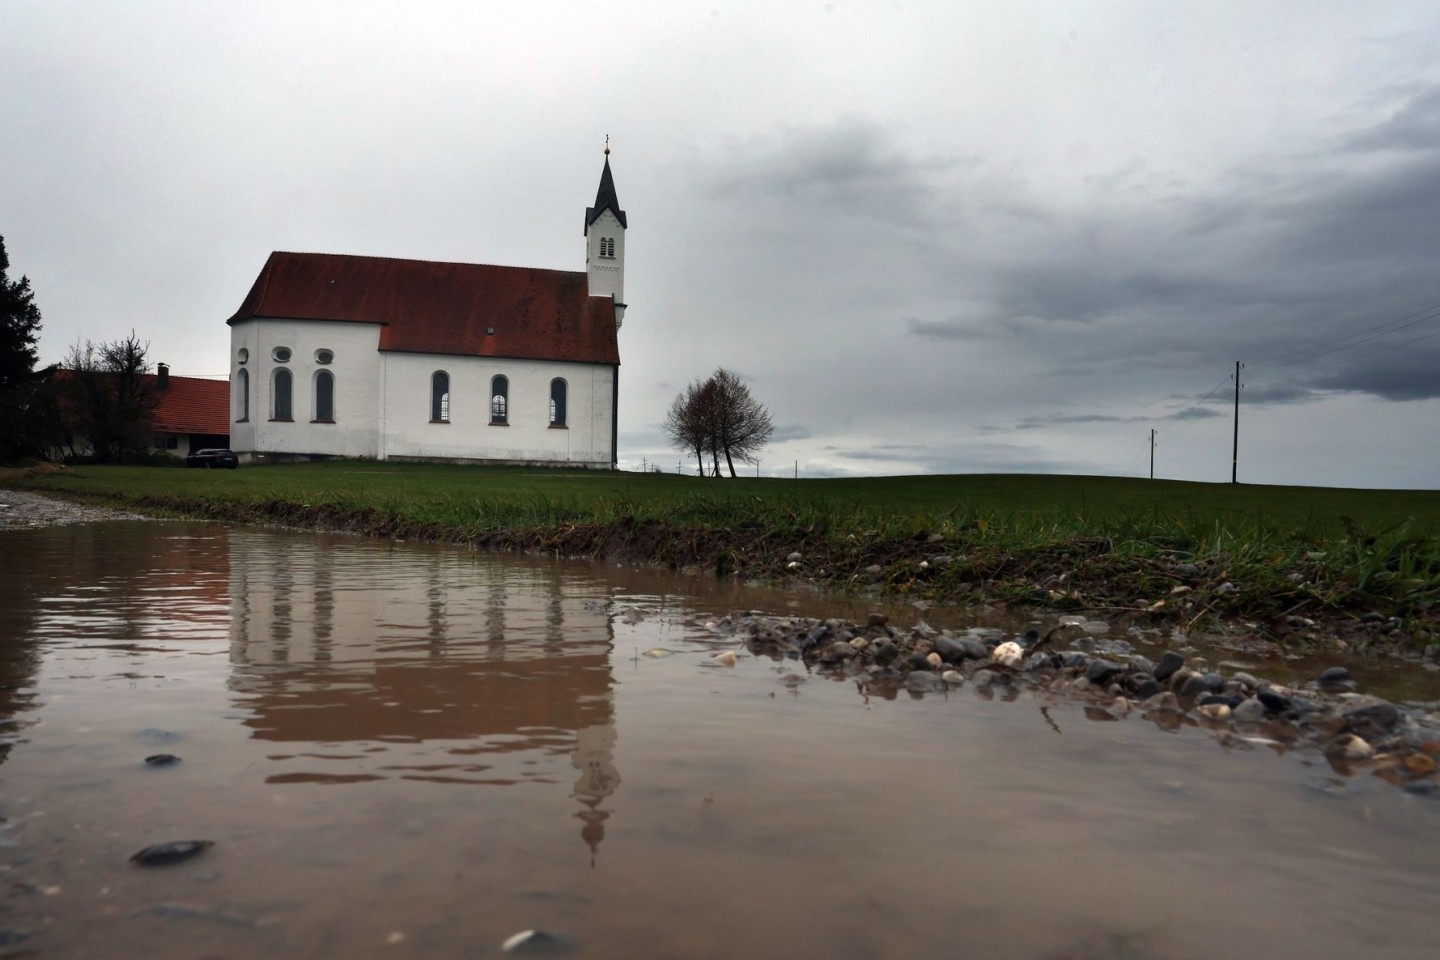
(607, 144)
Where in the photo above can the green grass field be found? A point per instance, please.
(443, 493)
(1064, 541)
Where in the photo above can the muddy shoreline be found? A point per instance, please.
(23, 509)
(1194, 599)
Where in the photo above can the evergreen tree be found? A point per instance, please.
(20, 431)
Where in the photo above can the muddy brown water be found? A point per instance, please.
(402, 751)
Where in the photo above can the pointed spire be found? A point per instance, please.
(605, 198)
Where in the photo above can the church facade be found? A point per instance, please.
(333, 355)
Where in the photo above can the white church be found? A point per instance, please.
(333, 355)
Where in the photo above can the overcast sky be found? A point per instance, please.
(934, 237)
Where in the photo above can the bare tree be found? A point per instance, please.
(108, 399)
(687, 425)
(719, 416)
(743, 425)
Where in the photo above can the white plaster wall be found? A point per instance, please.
(606, 275)
(356, 369)
(408, 432)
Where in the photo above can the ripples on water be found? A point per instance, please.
(415, 752)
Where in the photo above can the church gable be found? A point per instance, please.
(466, 309)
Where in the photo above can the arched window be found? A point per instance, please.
(439, 397)
(607, 246)
(557, 402)
(499, 400)
(282, 395)
(324, 397)
(242, 391)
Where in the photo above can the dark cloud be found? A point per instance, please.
(1194, 413)
(853, 167)
(946, 329)
(1413, 126)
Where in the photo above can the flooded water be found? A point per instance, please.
(411, 752)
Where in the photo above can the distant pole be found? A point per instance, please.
(1235, 448)
(757, 469)
(797, 469)
(1152, 453)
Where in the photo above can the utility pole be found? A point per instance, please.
(1235, 448)
(1152, 453)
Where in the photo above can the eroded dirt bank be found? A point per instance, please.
(1084, 575)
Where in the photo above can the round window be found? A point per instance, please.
(324, 356)
(281, 354)
(243, 355)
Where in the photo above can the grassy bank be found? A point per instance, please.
(1361, 563)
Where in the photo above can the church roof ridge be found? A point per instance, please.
(428, 306)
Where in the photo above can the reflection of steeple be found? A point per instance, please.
(594, 757)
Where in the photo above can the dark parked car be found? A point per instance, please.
(208, 458)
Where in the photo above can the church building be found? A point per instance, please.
(333, 355)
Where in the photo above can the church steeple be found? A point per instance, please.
(605, 226)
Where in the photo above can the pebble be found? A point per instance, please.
(1249, 710)
(953, 677)
(1100, 671)
(1214, 711)
(1352, 747)
(172, 851)
(1169, 663)
(725, 658)
(1373, 721)
(1274, 702)
(1165, 702)
(161, 759)
(1194, 686)
(531, 942)
(1008, 653)
(1335, 675)
(956, 649)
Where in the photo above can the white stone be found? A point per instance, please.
(1008, 653)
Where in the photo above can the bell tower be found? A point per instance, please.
(605, 243)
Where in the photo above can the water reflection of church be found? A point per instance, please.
(503, 668)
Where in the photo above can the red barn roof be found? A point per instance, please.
(191, 405)
(185, 405)
(469, 309)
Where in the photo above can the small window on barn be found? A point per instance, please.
(500, 400)
(557, 402)
(439, 397)
(281, 399)
(242, 389)
(172, 443)
(324, 357)
(324, 397)
(281, 354)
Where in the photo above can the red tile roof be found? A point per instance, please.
(191, 405)
(450, 308)
(187, 405)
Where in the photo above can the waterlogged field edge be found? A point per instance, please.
(1357, 569)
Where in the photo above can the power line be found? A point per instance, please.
(1351, 359)
(1355, 339)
